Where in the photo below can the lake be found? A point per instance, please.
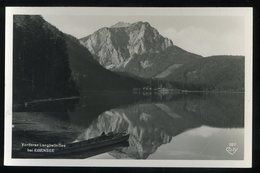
(199, 126)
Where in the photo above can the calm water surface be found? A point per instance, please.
(197, 126)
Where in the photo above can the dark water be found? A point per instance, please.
(190, 126)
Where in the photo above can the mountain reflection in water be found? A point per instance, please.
(150, 121)
(155, 123)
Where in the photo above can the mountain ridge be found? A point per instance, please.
(138, 49)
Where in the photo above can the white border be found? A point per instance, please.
(105, 11)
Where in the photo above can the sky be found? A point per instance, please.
(203, 35)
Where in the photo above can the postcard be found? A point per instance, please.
(128, 87)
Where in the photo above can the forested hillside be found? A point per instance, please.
(40, 61)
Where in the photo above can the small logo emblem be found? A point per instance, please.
(232, 148)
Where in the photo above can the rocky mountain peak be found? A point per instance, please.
(141, 23)
(115, 46)
(120, 24)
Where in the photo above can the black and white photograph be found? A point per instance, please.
(138, 87)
